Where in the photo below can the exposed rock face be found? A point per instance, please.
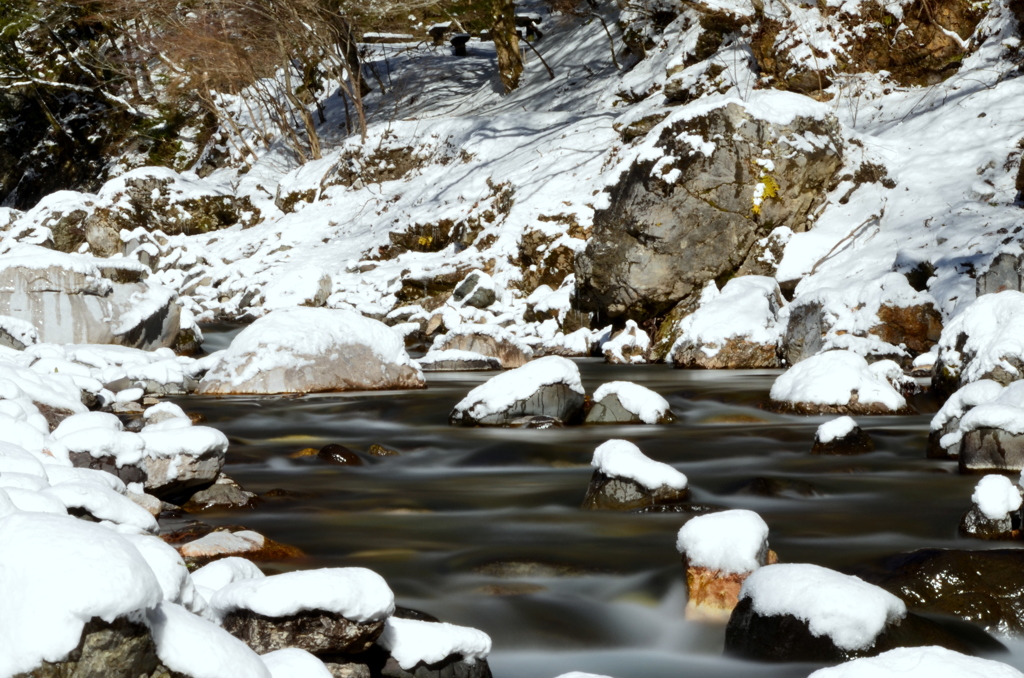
(610, 410)
(490, 341)
(608, 493)
(81, 300)
(918, 327)
(122, 649)
(1006, 272)
(991, 449)
(976, 524)
(676, 223)
(458, 361)
(477, 290)
(224, 493)
(546, 387)
(714, 594)
(314, 631)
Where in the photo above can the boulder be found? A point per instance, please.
(547, 387)
(719, 552)
(736, 328)
(986, 449)
(806, 613)
(982, 342)
(842, 436)
(623, 402)
(1006, 272)
(78, 299)
(477, 290)
(487, 340)
(627, 346)
(118, 649)
(944, 437)
(454, 360)
(995, 513)
(225, 493)
(708, 185)
(311, 350)
(836, 382)
(626, 480)
(224, 544)
(331, 610)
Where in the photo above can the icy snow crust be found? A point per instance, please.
(920, 662)
(996, 496)
(502, 391)
(355, 593)
(411, 641)
(831, 378)
(848, 610)
(732, 542)
(623, 459)
(647, 405)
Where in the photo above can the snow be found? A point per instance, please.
(220, 573)
(623, 459)
(968, 396)
(170, 571)
(355, 593)
(294, 663)
(835, 429)
(731, 542)
(996, 497)
(994, 328)
(746, 308)
(105, 505)
(649, 407)
(218, 543)
(831, 378)
(502, 391)
(190, 645)
(983, 404)
(632, 337)
(57, 573)
(920, 662)
(411, 641)
(294, 337)
(848, 610)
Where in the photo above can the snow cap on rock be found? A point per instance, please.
(292, 662)
(411, 641)
(731, 542)
(996, 496)
(623, 459)
(649, 406)
(831, 379)
(920, 662)
(192, 646)
(835, 429)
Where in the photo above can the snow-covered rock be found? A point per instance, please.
(292, 662)
(309, 350)
(841, 436)
(218, 574)
(487, 340)
(477, 290)
(719, 551)
(546, 387)
(412, 642)
(984, 341)
(995, 513)
(79, 299)
(947, 420)
(736, 328)
(626, 480)
(982, 425)
(628, 346)
(839, 382)
(920, 662)
(623, 402)
(327, 610)
(225, 544)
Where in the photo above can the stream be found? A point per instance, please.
(482, 527)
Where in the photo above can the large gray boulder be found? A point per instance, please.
(313, 350)
(725, 179)
(78, 299)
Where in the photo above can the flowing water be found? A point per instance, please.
(482, 527)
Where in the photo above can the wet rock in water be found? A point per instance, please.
(223, 544)
(428, 649)
(458, 361)
(487, 340)
(381, 451)
(710, 202)
(995, 513)
(311, 350)
(79, 299)
(808, 613)
(623, 402)
(626, 480)
(547, 387)
(985, 587)
(118, 649)
(991, 449)
(736, 328)
(719, 551)
(224, 493)
(537, 422)
(628, 346)
(340, 455)
(331, 610)
(842, 436)
(477, 290)
(837, 382)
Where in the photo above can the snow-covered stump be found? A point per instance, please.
(842, 436)
(425, 649)
(920, 662)
(807, 613)
(453, 360)
(623, 402)
(626, 480)
(837, 382)
(629, 346)
(736, 328)
(546, 387)
(995, 513)
(486, 340)
(719, 552)
(332, 610)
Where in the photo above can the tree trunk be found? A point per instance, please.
(506, 43)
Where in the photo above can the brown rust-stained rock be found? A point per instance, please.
(918, 328)
(712, 594)
(315, 631)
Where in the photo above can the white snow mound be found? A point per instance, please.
(996, 497)
(732, 542)
(920, 662)
(831, 378)
(411, 641)
(647, 405)
(623, 459)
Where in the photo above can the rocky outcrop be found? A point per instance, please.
(458, 361)
(725, 179)
(311, 350)
(477, 290)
